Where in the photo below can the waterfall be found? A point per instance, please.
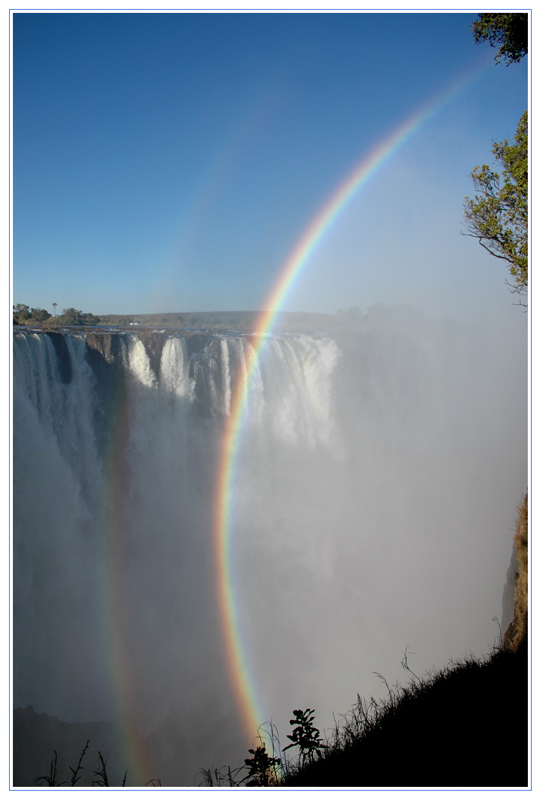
(373, 499)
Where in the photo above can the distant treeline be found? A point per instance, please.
(245, 321)
(24, 315)
(224, 320)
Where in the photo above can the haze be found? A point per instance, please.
(169, 163)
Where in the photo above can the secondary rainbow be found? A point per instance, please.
(251, 711)
(115, 596)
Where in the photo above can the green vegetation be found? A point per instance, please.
(243, 321)
(23, 315)
(510, 31)
(468, 724)
(70, 316)
(498, 214)
(235, 321)
(174, 320)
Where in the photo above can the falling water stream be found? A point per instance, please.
(374, 498)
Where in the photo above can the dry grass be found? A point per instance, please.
(517, 632)
(466, 725)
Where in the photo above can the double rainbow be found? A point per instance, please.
(243, 681)
(242, 677)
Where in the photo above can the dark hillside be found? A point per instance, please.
(465, 726)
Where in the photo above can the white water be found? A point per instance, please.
(375, 498)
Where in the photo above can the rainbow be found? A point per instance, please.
(113, 593)
(251, 712)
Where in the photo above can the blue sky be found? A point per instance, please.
(170, 162)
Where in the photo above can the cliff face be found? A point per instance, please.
(508, 597)
(517, 631)
(106, 344)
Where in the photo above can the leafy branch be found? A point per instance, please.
(305, 736)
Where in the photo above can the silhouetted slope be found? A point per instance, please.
(465, 726)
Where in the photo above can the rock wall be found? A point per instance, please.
(517, 631)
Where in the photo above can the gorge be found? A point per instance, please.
(374, 494)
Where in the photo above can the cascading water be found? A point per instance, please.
(373, 500)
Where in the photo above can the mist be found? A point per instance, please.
(374, 504)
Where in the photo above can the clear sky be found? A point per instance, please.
(171, 161)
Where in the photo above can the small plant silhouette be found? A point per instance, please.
(101, 777)
(262, 767)
(224, 776)
(405, 664)
(101, 772)
(75, 772)
(51, 778)
(305, 736)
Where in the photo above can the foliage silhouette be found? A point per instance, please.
(436, 731)
(101, 772)
(75, 776)
(305, 736)
(262, 767)
(51, 778)
(101, 779)
(433, 732)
